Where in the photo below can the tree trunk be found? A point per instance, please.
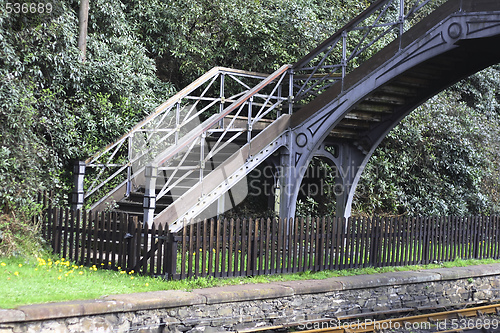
(84, 18)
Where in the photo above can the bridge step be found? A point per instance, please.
(189, 172)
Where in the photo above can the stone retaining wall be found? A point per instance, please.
(245, 306)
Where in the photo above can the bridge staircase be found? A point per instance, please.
(338, 102)
(184, 178)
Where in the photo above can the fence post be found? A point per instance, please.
(375, 242)
(56, 232)
(427, 231)
(477, 227)
(171, 254)
(132, 238)
(320, 229)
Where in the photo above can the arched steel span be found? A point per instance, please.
(458, 39)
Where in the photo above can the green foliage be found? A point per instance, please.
(54, 107)
(439, 161)
(20, 238)
(187, 38)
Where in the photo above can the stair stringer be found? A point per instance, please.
(192, 203)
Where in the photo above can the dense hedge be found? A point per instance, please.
(55, 109)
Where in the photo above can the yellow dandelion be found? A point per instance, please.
(131, 278)
(147, 284)
(81, 272)
(3, 264)
(66, 274)
(59, 277)
(36, 269)
(20, 265)
(16, 273)
(119, 268)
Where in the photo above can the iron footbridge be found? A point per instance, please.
(189, 159)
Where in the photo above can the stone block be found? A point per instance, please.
(69, 309)
(225, 311)
(8, 316)
(240, 293)
(387, 279)
(454, 273)
(157, 300)
(313, 286)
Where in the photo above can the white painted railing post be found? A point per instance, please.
(77, 197)
(149, 203)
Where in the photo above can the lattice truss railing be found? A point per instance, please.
(199, 122)
(380, 24)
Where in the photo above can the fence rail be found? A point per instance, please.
(249, 247)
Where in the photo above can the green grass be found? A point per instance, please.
(43, 280)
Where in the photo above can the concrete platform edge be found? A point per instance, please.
(237, 293)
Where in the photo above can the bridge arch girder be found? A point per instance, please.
(464, 43)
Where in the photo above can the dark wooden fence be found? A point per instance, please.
(110, 240)
(266, 246)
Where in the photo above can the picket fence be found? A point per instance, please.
(250, 247)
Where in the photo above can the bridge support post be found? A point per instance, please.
(221, 206)
(348, 164)
(77, 197)
(284, 188)
(340, 192)
(149, 203)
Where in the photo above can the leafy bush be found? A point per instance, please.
(441, 160)
(56, 109)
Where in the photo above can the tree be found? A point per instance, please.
(441, 160)
(83, 24)
(54, 107)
